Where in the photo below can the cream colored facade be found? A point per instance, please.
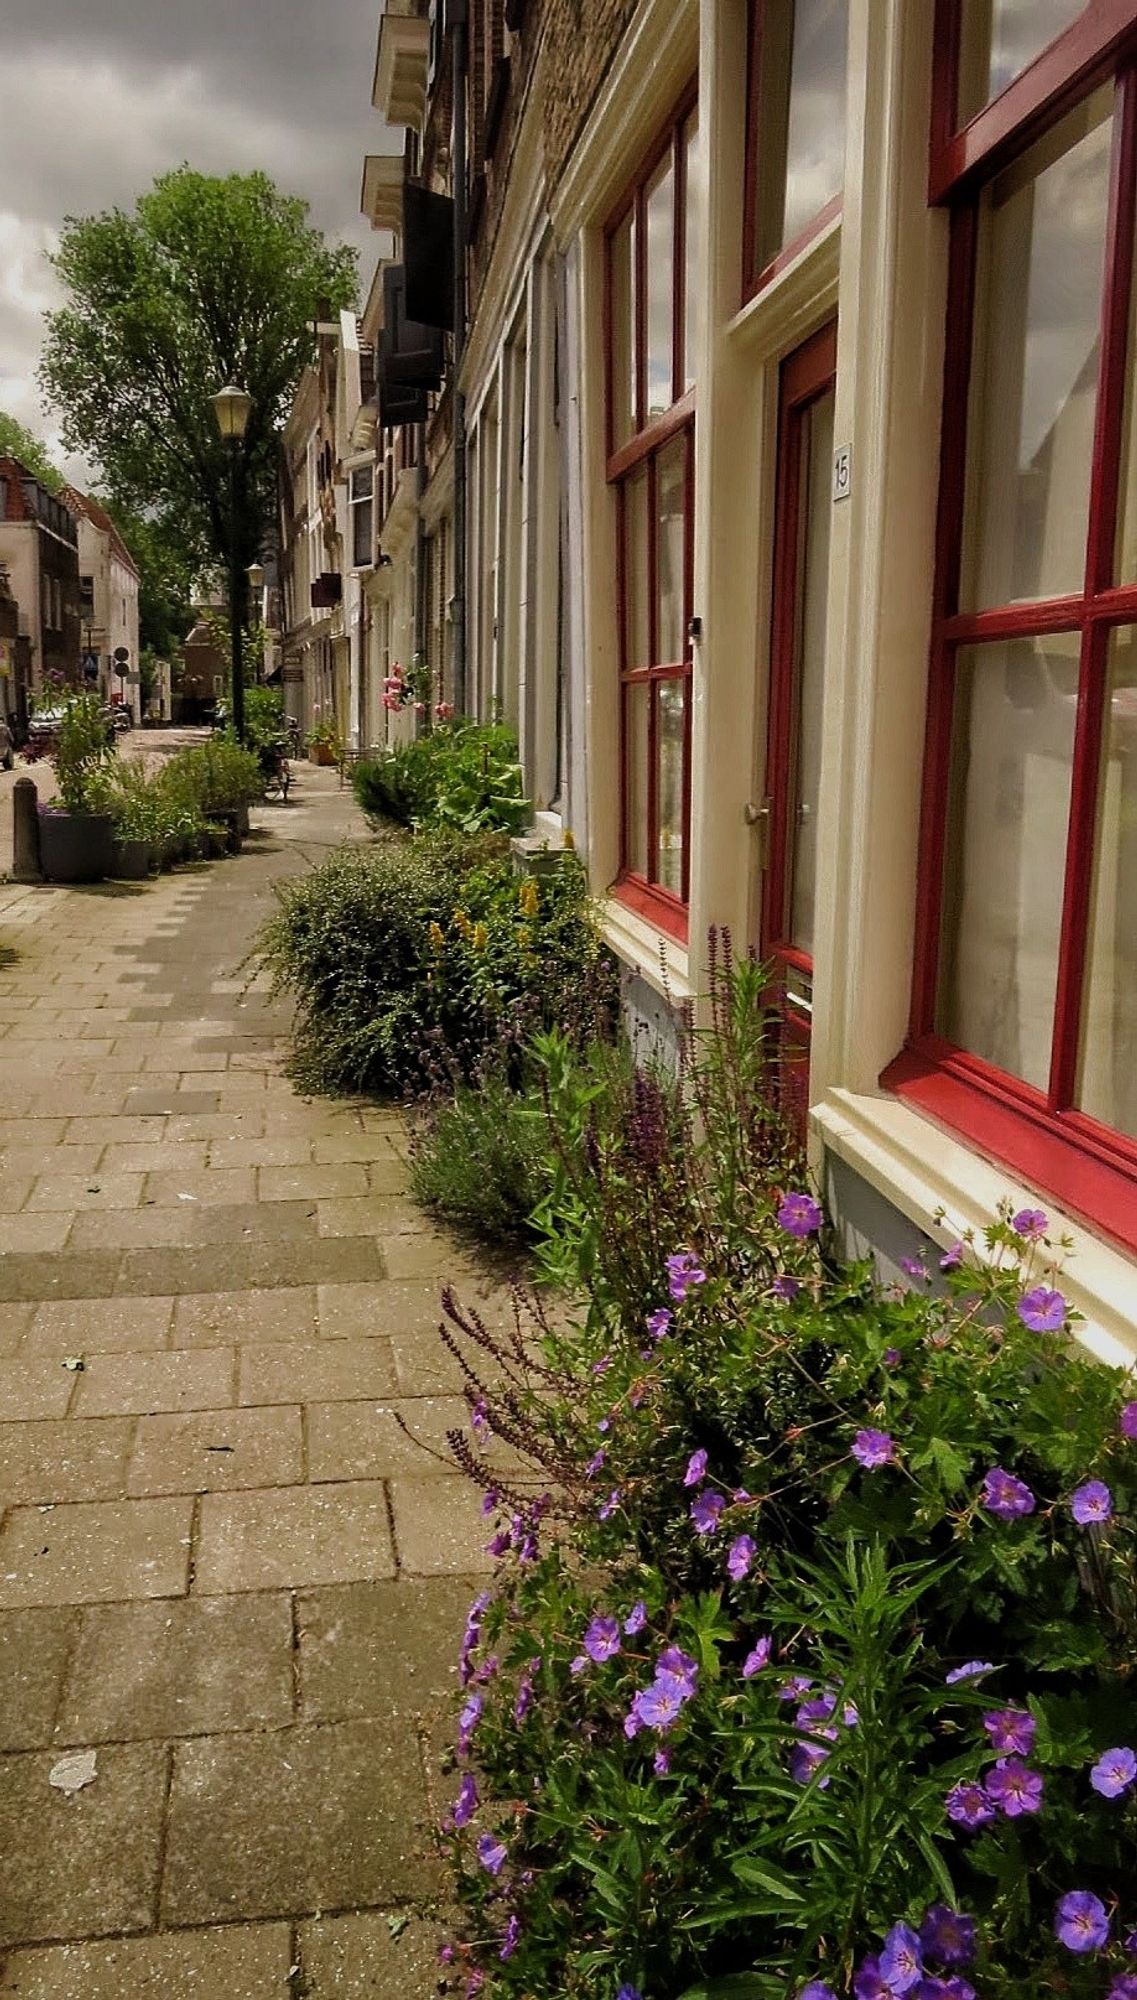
(110, 624)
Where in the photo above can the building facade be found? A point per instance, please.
(39, 545)
(108, 581)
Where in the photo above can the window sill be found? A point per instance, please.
(796, 300)
(659, 958)
(921, 1168)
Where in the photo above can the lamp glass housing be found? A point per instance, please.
(232, 407)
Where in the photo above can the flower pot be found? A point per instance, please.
(130, 860)
(218, 842)
(228, 820)
(322, 753)
(243, 818)
(75, 847)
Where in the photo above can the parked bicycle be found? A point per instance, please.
(276, 770)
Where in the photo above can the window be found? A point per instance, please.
(654, 245)
(1024, 1020)
(362, 508)
(795, 153)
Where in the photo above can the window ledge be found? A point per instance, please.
(795, 301)
(920, 1168)
(647, 950)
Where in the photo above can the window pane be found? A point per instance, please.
(670, 554)
(637, 637)
(1126, 570)
(623, 333)
(671, 731)
(1035, 366)
(1006, 850)
(637, 695)
(660, 225)
(801, 118)
(693, 277)
(817, 453)
(999, 39)
(1108, 1081)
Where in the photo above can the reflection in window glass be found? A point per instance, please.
(672, 739)
(659, 210)
(1108, 1080)
(637, 696)
(1126, 567)
(637, 634)
(817, 453)
(670, 546)
(1006, 850)
(693, 276)
(1035, 365)
(999, 39)
(800, 154)
(623, 390)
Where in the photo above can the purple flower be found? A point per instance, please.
(658, 1705)
(468, 1721)
(968, 1806)
(602, 1366)
(636, 1619)
(696, 1469)
(1043, 1310)
(817, 1990)
(1124, 1987)
(1015, 1788)
(952, 1257)
(971, 1670)
(489, 1503)
(948, 1937)
(604, 1426)
(914, 1267)
(1006, 1496)
(705, 1511)
(659, 1323)
(868, 1984)
(873, 1449)
(805, 1760)
(1030, 1223)
(579, 1665)
(757, 1658)
(512, 1934)
(595, 1464)
(661, 1763)
(466, 1803)
(891, 1357)
(479, 1417)
(1127, 1422)
(500, 1543)
(742, 1553)
(786, 1288)
(629, 1993)
(673, 1660)
(683, 1272)
(524, 1700)
(800, 1215)
(794, 1689)
(602, 1639)
(1012, 1732)
(608, 1507)
(1091, 1503)
(901, 1960)
(491, 1853)
(1114, 1772)
(1080, 1922)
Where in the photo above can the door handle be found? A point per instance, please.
(758, 816)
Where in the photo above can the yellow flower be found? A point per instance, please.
(481, 937)
(569, 840)
(437, 938)
(461, 923)
(529, 897)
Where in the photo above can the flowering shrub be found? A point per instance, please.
(805, 1670)
(463, 775)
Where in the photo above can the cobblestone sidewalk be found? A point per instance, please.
(223, 1567)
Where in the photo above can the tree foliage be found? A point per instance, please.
(23, 444)
(210, 280)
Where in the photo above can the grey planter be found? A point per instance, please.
(130, 861)
(75, 847)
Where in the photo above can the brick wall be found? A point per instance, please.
(582, 37)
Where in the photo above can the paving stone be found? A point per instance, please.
(212, 1187)
(424, 1253)
(212, 1319)
(156, 1156)
(246, 1122)
(95, 1191)
(14, 1323)
(96, 1552)
(164, 1101)
(247, 1266)
(236, 1804)
(31, 1131)
(191, 1224)
(316, 1372)
(314, 1183)
(278, 1152)
(63, 1461)
(238, 1962)
(34, 1385)
(354, 1440)
(100, 1326)
(287, 1537)
(38, 1234)
(73, 1866)
(87, 1274)
(387, 1649)
(356, 1311)
(34, 1650)
(370, 1214)
(114, 1131)
(183, 1667)
(33, 1160)
(140, 1384)
(360, 1958)
(440, 1529)
(220, 1452)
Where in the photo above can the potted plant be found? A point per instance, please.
(136, 810)
(77, 831)
(325, 744)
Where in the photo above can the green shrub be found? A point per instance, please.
(464, 775)
(479, 1158)
(264, 718)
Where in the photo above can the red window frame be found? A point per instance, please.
(754, 280)
(641, 452)
(1040, 1134)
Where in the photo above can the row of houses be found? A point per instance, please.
(744, 411)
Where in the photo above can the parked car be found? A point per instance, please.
(7, 746)
(43, 724)
(121, 716)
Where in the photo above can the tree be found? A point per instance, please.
(24, 445)
(208, 281)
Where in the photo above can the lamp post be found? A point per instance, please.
(232, 407)
(256, 576)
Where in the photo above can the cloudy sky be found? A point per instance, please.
(99, 96)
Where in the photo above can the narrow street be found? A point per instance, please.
(224, 1569)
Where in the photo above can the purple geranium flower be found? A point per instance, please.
(468, 1721)
(705, 1511)
(742, 1553)
(1127, 1422)
(1124, 1987)
(952, 1257)
(1091, 1503)
(602, 1639)
(683, 1273)
(636, 1619)
(1042, 1310)
(1011, 1730)
(868, 1984)
(901, 1960)
(805, 1760)
(661, 1763)
(872, 1449)
(629, 1993)
(1015, 1788)
(608, 1507)
(657, 1706)
(971, 1670)
(892, 1357)
(1031, 1223)
(579, 1665)
(466, 1803)
(1114, 1772)
(595, 1464)
(696, 1469)
(914, 1267)
(1080, 1921)
(673, 1660)
(968, 1806)
(510, 1939)
(659, 1323)
(786, 1288)
(948, 1937)
(800, 1215)
(1006, 1496)
(757, 1658)
(817, 1990)
(491, 1853)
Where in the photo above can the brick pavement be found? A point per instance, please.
(223, 1566)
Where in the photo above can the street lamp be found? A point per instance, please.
(232, 407)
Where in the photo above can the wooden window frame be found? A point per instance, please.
(650, 437)
(756, 280)
(1089, 1167)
